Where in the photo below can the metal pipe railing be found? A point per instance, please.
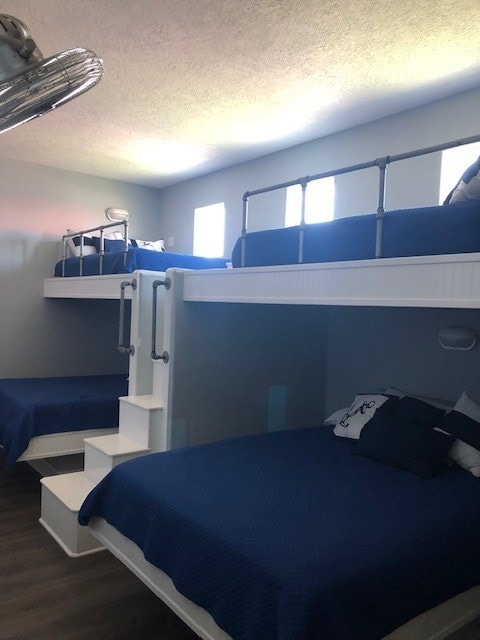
(155, 284)
(381, 163)
(81, 235)
(122, 347)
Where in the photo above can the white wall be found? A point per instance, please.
(410, 183)
(40, 337)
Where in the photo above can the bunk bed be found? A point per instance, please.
(94, 266)
(48, 417)
(348, 607)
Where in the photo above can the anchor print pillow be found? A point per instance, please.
(362, 410)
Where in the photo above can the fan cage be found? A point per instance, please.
(47, 85)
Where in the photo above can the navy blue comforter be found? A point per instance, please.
(407, 232)
(137, 259)
(39, 406)
(291, 536)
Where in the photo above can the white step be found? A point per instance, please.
(105, 452)
(62, 497)
(139, 417)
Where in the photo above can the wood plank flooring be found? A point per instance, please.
(45, 595)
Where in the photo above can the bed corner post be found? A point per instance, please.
(301, 234)
(382, 165)
(246, 196)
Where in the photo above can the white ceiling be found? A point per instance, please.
(191, 86)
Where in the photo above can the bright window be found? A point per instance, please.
(454, 163)
(319, 202)
(209, 231)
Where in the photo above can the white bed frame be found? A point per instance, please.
(449, 281)
(47, 453)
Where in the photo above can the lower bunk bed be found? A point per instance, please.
(50, 417)
(293, 535)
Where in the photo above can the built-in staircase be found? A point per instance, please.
(142, 420)
(141, 429)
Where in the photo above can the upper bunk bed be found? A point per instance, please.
(95, 262)
(425, 257)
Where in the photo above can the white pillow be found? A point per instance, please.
(152, 245)
(73, 244)
(336, 416)
(463, 454)
(359, 413)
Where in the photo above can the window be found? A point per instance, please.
(319, 202)
(454, 163)
(209, 231)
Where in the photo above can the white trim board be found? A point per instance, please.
(105, 287)
(448, 281)
(61, 444)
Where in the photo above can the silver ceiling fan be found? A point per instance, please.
(31, 85)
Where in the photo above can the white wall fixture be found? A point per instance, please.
(457, 338)
(117, 215)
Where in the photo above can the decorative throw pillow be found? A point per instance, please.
(468, 187)
(362, 410)
(113, 241)
(463, 422)
(152, 245)
(436, 402)
(406, 437)
(74, 242)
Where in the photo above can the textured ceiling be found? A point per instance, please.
(191, 86)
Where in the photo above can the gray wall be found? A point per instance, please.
(40, 337)
(242, 369)
(374, 348)
(410, 183)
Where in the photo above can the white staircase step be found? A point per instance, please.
(62, 497)
(116, 445)
(140, 417)
(148, 402)
(105, 452)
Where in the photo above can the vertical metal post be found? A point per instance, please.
(301, 234)
(165, 355)
(246, 196)
(121, 321)
(102, 252)
(125, 239)
(64, 254)
(382, 165)
(81, 255)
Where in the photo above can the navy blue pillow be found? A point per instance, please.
(462, 427)
(109, 245)
(87, 241)
(404, 437)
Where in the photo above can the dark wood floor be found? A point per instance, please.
(44, 595)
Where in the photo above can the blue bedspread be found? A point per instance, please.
(137, 259)
(38, 406)
(408, 232)
(291, 536)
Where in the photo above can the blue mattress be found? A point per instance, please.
(137, 259)
(32, 407)
(408, 232)
(291, 536)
